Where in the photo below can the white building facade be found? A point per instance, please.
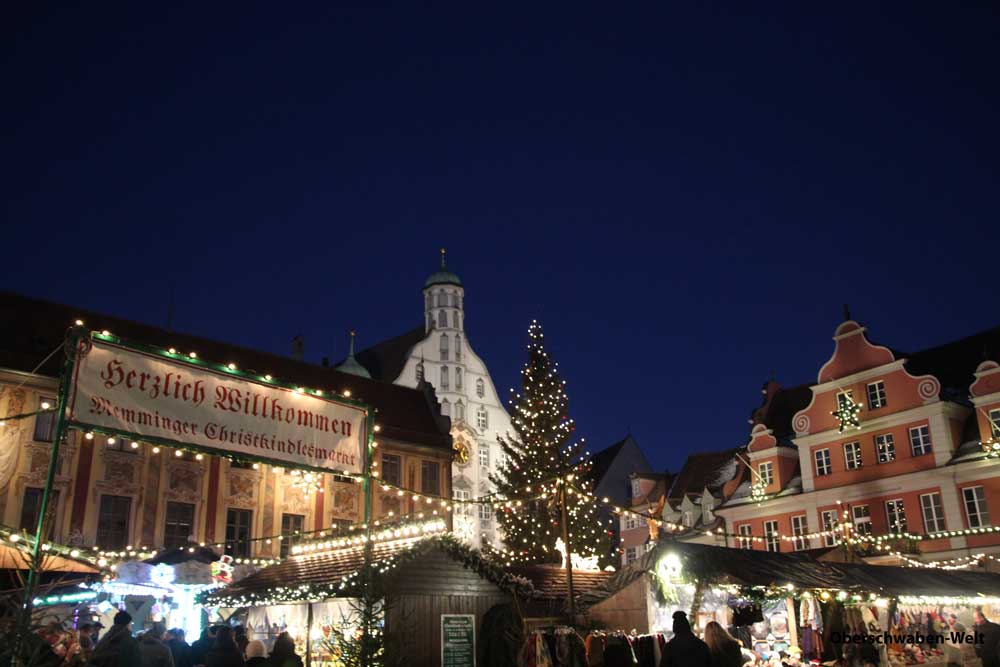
(440, 354)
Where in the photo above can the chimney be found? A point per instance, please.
(326, 362)
(298, 348)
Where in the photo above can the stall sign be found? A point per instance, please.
(458, 640)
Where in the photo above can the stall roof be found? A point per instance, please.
(319, 576)
(16, 555)
(745, 567)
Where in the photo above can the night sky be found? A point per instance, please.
(684, 196)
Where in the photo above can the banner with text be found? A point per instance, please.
(151, 396)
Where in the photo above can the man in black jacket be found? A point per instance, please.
(686, 650)
(118, 648)
(987, 651)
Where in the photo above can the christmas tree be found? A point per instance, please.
(542, 466)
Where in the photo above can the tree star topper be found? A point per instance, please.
(847, 412)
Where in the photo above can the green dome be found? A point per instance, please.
(351, 365)
(442, 278)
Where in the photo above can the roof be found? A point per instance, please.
(33, 328)
(442, 278)
(954, 363)
(777, 413)
(550, 587)
(386, 360)
(701, 471)
(602, 460)
(748, 568)
(326, 575)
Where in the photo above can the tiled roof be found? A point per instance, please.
(602, 460)
(700, 471)
(550, 581)
(778, 413)
(955, 363)
(32, 328)
(385, 360)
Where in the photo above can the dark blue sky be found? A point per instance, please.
(683, 195)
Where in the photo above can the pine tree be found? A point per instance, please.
(538, 453)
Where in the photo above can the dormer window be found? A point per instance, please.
(765, 473)
(995, 423)
(635, 487)
(876, 395)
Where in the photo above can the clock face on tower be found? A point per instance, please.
(461, 451)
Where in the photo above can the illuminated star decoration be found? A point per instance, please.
(757, 492)
(847, 412)
(991, 447)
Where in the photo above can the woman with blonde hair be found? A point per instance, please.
(723, 649)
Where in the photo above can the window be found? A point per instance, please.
(885, 448)
(482, 420)
(862, 519)
(484, 456)
(480, 388)
(444, 347)
(392, 469)
(120, 445)
(765, 473)
(930, 507)
(445, 407)
(420, 371)
(458, 343)
(112, 522)
(444, 377)
(428, 301)
(454, 320)
(485, 512)
(920, 440)
(630, 522)
(995, 423)
(896, 514)
(799, 529)
(291, 531)
(461, 494)
(458, 378)
(771, 535)
(636, 490)
(746, 530)
(460, 410)
(179, 526)
(876, 395)
(852, 455)
(430, 478)
(441, 299)
(242, 465)
(238, 532)
(32, 505)
(443, 320)
(823, 466)
(45, 422)
(829, 519)
(642, 521)
(630, 555)
(975, 507)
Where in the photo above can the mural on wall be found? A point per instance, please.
(184, 482)
(295, 499)
(242, 489)
(345, 501)
(11, 403)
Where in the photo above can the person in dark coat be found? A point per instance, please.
(685, 650)
(723, 649)
(154, 652)
(987, 650)
(202, 645)
(118, 648)
(283, 654)
(257, 654)
(225, 652)
(179, 648)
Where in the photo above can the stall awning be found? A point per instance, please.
(750, 568)
(16, 548)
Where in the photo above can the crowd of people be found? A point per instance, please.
(218, 646)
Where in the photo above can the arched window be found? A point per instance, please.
(443, 319)
(440, 298)
(458, 378)
(445, 408)
(458, 347)
(444, 347)
(460, 410)
(480, 388)
(428, 301)
(420, 371)
(430, 321)
(444, 377)
(482, 419)
(454, 319)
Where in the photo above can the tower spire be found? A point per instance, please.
(350, 352)
(351, 365)
(443, 251)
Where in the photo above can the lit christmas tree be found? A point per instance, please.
(536, 455)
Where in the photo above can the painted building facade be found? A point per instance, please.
(114, 495)
(913, 462)
(439, 353)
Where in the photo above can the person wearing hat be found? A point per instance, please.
(154, 652)
(118, 648)
(685, 650)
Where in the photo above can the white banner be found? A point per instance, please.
(149, 395)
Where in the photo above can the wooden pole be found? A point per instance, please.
(570, 601)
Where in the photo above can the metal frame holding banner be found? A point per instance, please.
(135, 391)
